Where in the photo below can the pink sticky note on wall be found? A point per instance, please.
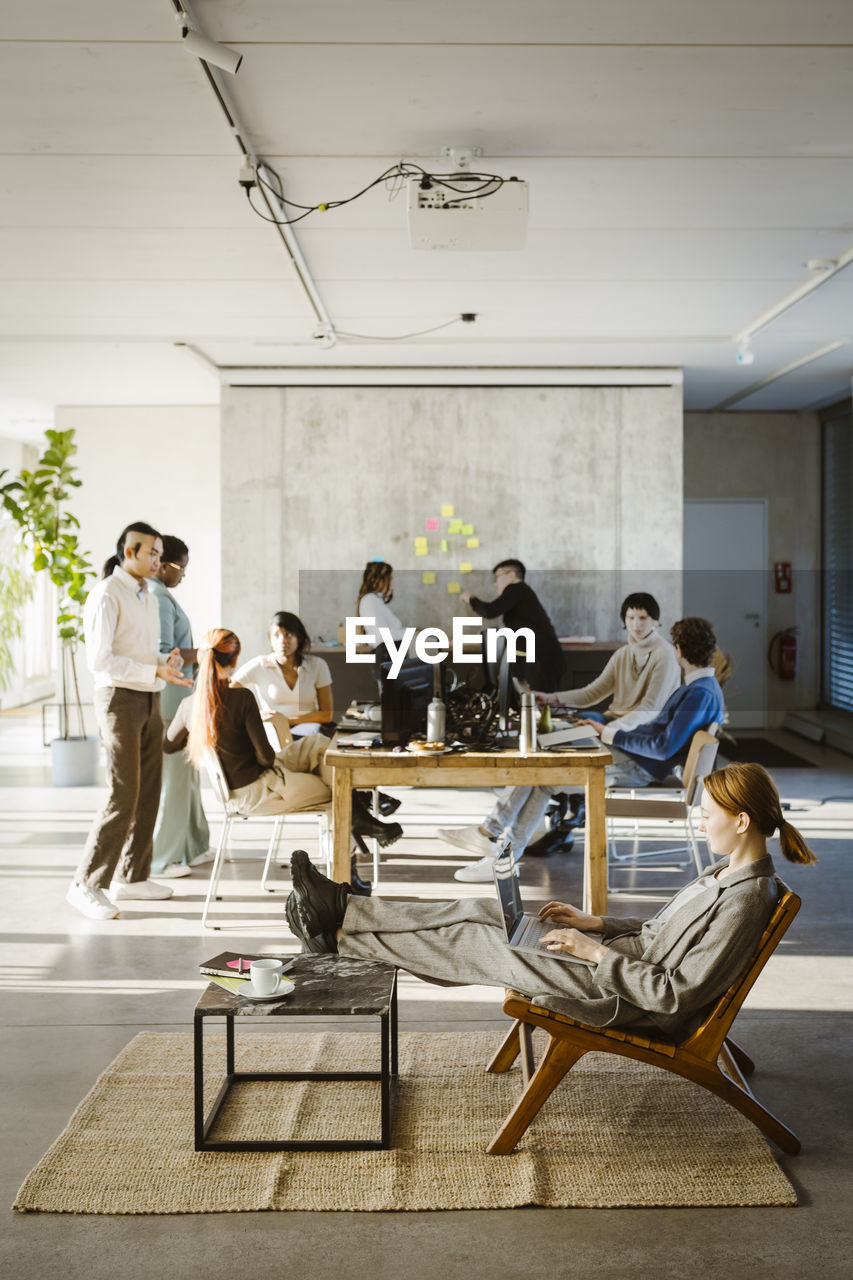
(432, 526)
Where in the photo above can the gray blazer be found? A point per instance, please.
(676, 968)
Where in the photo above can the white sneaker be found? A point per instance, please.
(173, 871)
(202, 859)
(477, 872)
(93, 903)
(471, 839)
(141, 889)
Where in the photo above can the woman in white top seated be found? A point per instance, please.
(374, 597)
(293, 687)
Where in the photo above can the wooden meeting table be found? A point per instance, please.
(357, 768)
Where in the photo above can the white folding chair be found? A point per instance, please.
(647, 804)
(216, 775)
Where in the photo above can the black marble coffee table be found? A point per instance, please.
(326, 987)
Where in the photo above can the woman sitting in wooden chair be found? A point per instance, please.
(660, 974)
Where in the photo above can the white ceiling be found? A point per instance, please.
(684, 161)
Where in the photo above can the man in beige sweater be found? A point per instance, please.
(638, 679)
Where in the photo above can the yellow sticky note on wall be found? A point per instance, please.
(444, 544)
(465, 567)
(455, 526)
(467, 529)
(472, 542)
(453, 588)
(447, 510)
(421, 551)
(428, 578)
(421, 542)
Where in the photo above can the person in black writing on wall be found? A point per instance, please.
(519, 606)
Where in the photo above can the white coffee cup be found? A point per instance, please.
(265, 976)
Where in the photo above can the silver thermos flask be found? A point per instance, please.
(436, 711)
(527, 730)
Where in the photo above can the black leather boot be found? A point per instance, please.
(577, 817)
(316, 907)
(559, 839)
(557, 809)
(365, 824)
(362, 888)
(387, 804)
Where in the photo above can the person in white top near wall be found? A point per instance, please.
(121, 623)
(638, 678)
(293, 687)
(374, 599)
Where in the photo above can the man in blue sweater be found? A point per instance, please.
(659, 746)
(640, 756)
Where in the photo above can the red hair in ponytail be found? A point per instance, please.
(218, 649)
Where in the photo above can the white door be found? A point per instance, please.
(725, 581)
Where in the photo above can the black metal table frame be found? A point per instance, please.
(387, 1075)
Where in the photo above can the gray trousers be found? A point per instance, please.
(120, 842)
(463, 942)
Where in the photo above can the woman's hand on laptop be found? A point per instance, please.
(564, 913)
(574, 943)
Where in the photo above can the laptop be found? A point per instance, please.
(524, 932)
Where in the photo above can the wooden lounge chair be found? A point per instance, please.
(707, 1056)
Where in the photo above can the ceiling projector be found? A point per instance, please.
(468, 212)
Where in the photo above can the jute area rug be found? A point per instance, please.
(616, 1133)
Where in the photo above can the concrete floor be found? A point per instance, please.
(74, 993)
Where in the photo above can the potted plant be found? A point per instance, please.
(37, 501)
(16, 589)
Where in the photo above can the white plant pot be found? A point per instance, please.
(75, 761)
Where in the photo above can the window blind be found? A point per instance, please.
(837, 680)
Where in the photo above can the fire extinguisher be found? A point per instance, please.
(782, 653)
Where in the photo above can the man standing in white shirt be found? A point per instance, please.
(121, 623)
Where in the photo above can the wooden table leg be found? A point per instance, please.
(342, 825)
(595, 854)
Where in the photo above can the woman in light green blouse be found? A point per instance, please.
(181, 836)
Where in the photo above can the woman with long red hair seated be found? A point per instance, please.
(226, 720)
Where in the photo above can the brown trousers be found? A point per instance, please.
(120, 843)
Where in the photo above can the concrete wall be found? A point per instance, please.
(159, 464)
(775, 456)
(582, 483)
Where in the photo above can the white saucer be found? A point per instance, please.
(284, 989)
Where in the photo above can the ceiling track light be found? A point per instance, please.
(217, 55)
(820, 271)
